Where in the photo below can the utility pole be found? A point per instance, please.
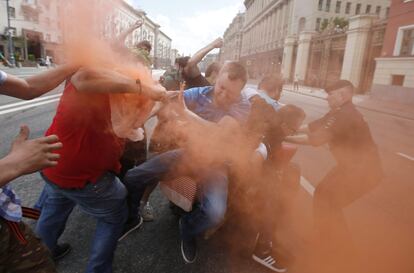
(10, 39)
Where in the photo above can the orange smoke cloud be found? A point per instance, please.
(88, 42)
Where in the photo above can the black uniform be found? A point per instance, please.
(358, 167)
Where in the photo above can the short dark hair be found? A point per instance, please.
(291, 113)
(340, 84)
(270, 83)
(145, 44)
(235, 70)
(213, 67)
(182, 61)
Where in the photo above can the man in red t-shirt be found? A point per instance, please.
(89, 161)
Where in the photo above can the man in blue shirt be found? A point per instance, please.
(207, 112)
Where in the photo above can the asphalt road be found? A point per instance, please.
(383, 219)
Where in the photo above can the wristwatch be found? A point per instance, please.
(138, 82)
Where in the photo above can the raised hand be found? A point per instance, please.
(181, 100)
(218, 43)
(33, 155)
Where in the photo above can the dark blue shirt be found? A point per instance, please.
(200, 101)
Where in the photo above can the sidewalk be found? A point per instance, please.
(366, 102)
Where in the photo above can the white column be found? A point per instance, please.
(287, 56)
(282, 19)
(355, 50)
(302, 56)
(274, 25)
(278, 19)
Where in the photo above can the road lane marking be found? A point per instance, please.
(27, 106)
(406, 156)
(309, 188)
(28, 101)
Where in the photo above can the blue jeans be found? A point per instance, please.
(41, 200)
(213, 184)
(104, 200)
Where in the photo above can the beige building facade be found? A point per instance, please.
(35, 27)
(232, 39)
(38, 27)
(274, 30)
(123, 16)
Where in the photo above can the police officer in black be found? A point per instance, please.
(358, 167)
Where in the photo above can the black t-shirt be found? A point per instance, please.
(198, 81)
(350, 142)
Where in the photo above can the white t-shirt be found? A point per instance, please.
(249, 92)
(3, 77)
(262, 150)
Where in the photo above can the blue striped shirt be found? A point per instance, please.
(10, 205)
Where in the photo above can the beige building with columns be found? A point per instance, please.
(232, 38)
(124, 15)
(276, 33)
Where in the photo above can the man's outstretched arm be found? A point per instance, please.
(122, 37)
(37, 85)
(317, 138)
(28, 156)
(191, 68)
(109, 81)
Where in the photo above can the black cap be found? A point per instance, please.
(338, 85)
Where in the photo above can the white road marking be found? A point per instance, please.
(406, 156)
(309, 188)
(27, 106)
(29, 101)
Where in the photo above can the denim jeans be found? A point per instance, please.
(41, 200)
(213, 184)
(104, 200)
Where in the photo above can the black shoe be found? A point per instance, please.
(264, 256)
(130, 226)
(61, 251)
(188, 248)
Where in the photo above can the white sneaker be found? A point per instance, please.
(264, 256)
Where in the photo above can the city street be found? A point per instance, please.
(382, 219)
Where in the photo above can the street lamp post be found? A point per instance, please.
(10, 39)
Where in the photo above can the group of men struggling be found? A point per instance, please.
(79, 158)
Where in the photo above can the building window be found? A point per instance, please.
(407, 44)
(12, 12)
(397, 80)
(302, 24)
(338, 7)
(358, 9)
(348, 8)
(320, 5)
(387, 12)
(328, 5)
(318, 24)
(368, 9)
(325, 23)
(378, 10)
